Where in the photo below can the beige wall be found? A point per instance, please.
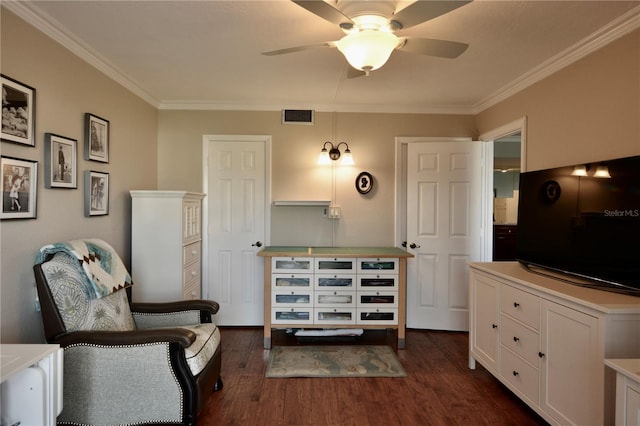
(67, 88)
(366, 220)
(588, 111)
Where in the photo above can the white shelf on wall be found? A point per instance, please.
(302, 203)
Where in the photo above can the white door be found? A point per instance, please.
(236, 181)
(444, 219)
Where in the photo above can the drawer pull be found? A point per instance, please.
(516, 339)
(540, 355)
(515, 373)
(494, 326)
(516, 304)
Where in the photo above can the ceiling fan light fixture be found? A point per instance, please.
(367, 50)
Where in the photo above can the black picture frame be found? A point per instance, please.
(96, 138)
(60, 161)
(19, 179)
(364, 183)
(18, 112)
(96, 193)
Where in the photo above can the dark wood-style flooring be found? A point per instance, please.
(440, 388)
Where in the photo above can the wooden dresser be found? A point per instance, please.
(334, 287)
(166, 245)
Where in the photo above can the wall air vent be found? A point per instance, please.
(297, 116)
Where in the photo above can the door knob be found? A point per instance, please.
(256, 244)
(414, 245)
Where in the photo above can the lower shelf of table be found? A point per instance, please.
(397, 331)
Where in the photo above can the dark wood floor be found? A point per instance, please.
(440, 389)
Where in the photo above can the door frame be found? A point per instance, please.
(488, 138)
(206, 139)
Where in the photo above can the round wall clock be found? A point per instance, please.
(364, 182)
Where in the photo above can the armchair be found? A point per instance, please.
(124, 363)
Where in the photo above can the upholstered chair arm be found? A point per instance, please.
(177, 306)
(139, 337)
(173, 314)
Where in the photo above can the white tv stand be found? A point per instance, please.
(546, 340)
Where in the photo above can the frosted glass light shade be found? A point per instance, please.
(347, 159)
(367, 50)
(602, 172)
(580, 170)
(323, 158)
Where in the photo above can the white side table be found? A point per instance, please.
(627, 390)
(31, 377)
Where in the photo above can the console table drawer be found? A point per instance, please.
(379, 316)
(335, 265)
(292, 315)
(279, 281)
(377, 282)
(334, 282)
(387, 299)
(335, 315)
(335, 298)
(521, 305)
(292, 298)
(378, 265)
(302, 265)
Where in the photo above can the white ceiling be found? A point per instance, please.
(207, 54)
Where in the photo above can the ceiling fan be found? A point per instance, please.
(370, 28)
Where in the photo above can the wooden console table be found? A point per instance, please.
(334, 287)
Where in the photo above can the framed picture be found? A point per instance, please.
(96, 138)
(60, 161)
(96, 193)
(19, 188)
(18, 112)
(364, 182)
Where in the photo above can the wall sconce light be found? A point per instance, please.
(580, 170)
(602, 171)
(334, 154)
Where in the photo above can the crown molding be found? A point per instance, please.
(50, 27)
(605, 35)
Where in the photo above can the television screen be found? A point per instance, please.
(583, 221)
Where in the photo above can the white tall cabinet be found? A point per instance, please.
(166, 245)
(547, 340)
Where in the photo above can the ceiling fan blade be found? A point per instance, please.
(324, 10)
(433, 47)
(424, 10)
(300, 48)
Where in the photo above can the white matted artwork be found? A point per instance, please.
(96, 195)
(19, 188)
(96, 138)
(61, 161)
(18, 112)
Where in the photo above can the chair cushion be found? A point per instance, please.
(74, 300)
(205, 345)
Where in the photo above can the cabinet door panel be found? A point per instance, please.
(572, 371)
(484, 320)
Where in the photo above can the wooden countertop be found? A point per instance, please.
(300, 251)
(599, 300)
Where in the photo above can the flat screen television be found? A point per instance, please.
(586, 227)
